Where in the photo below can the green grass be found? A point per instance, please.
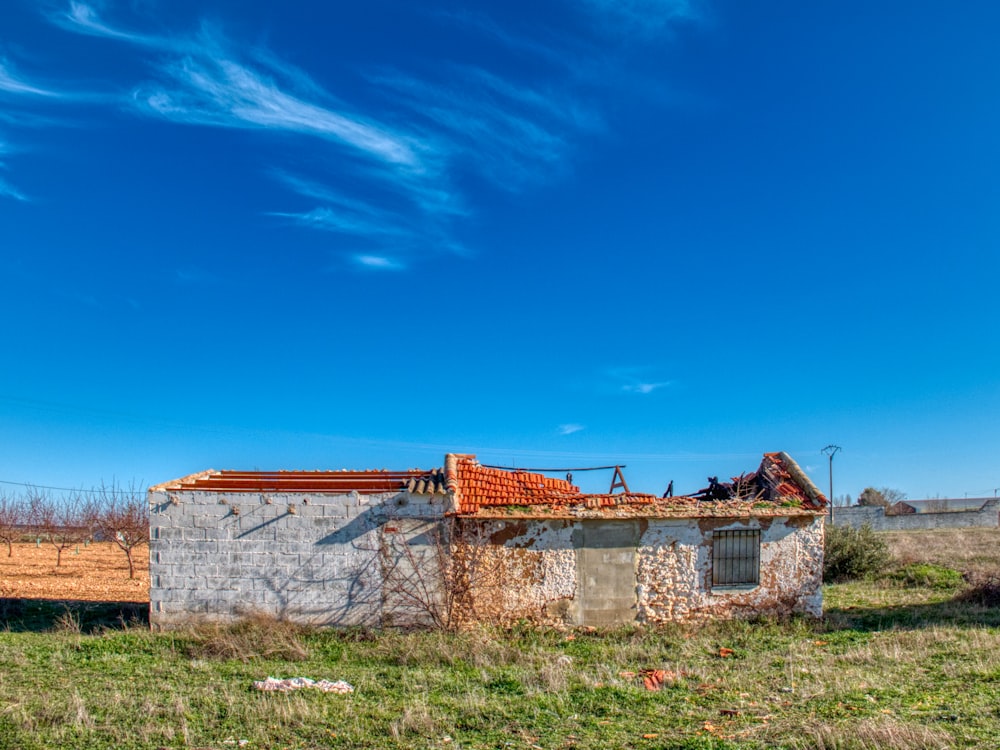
(928, 575)
(866, 677)
(903, 662)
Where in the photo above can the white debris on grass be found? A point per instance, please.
(273, 684)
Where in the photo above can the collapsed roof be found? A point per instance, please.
(777, 487)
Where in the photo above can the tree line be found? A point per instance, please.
(111, 513)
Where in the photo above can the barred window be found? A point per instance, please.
(736, 558)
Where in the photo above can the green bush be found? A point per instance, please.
(850, 554)
(928, 575)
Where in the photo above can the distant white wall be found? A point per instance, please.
(857, 516)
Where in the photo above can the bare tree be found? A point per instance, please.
(418, 585)
(881, 497)
(61, 523)
(121, 515)
(11, 520)
(443, 573)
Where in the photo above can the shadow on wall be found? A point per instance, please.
(356, 580)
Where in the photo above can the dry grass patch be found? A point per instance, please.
(252, 639)
(984, 589)
(972, 551)
(877, 734)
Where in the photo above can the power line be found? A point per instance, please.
(554, 471)
(29, 485)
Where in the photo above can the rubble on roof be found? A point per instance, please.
(777, 486)
(778, 480)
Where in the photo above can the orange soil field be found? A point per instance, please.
(98, 573)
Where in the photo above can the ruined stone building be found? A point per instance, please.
(469, 543)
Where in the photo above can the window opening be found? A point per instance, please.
(736, 558)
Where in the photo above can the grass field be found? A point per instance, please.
(903, 662)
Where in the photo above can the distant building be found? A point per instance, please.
(468, 542)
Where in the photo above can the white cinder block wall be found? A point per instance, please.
(310, 557)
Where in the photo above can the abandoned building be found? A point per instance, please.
(471, 543)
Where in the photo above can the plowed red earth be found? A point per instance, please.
(99, 573)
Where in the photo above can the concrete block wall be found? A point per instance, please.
(311, 557)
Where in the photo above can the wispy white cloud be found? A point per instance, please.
(643, 17)
(557, 49)
(404, 215)
(18, 87)
(346, 210)
(643, 388)
(341, 221)
(14, 84)
(637, 380)
(409, 157)
(208, 86)
(9, 191)
(317, 191)
(569, 429)
(225, 93)
(431, 193)
(83, 18)
(203, 79)
(513, 134)
(379, 263)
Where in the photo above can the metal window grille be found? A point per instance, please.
(736, 558)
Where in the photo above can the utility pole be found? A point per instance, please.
(830, 451)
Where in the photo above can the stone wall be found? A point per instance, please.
(856, 516)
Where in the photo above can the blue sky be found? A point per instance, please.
(664, 233)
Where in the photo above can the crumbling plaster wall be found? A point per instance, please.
(309, 557)
(544, 572)
(674, 570)
(514, 570)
